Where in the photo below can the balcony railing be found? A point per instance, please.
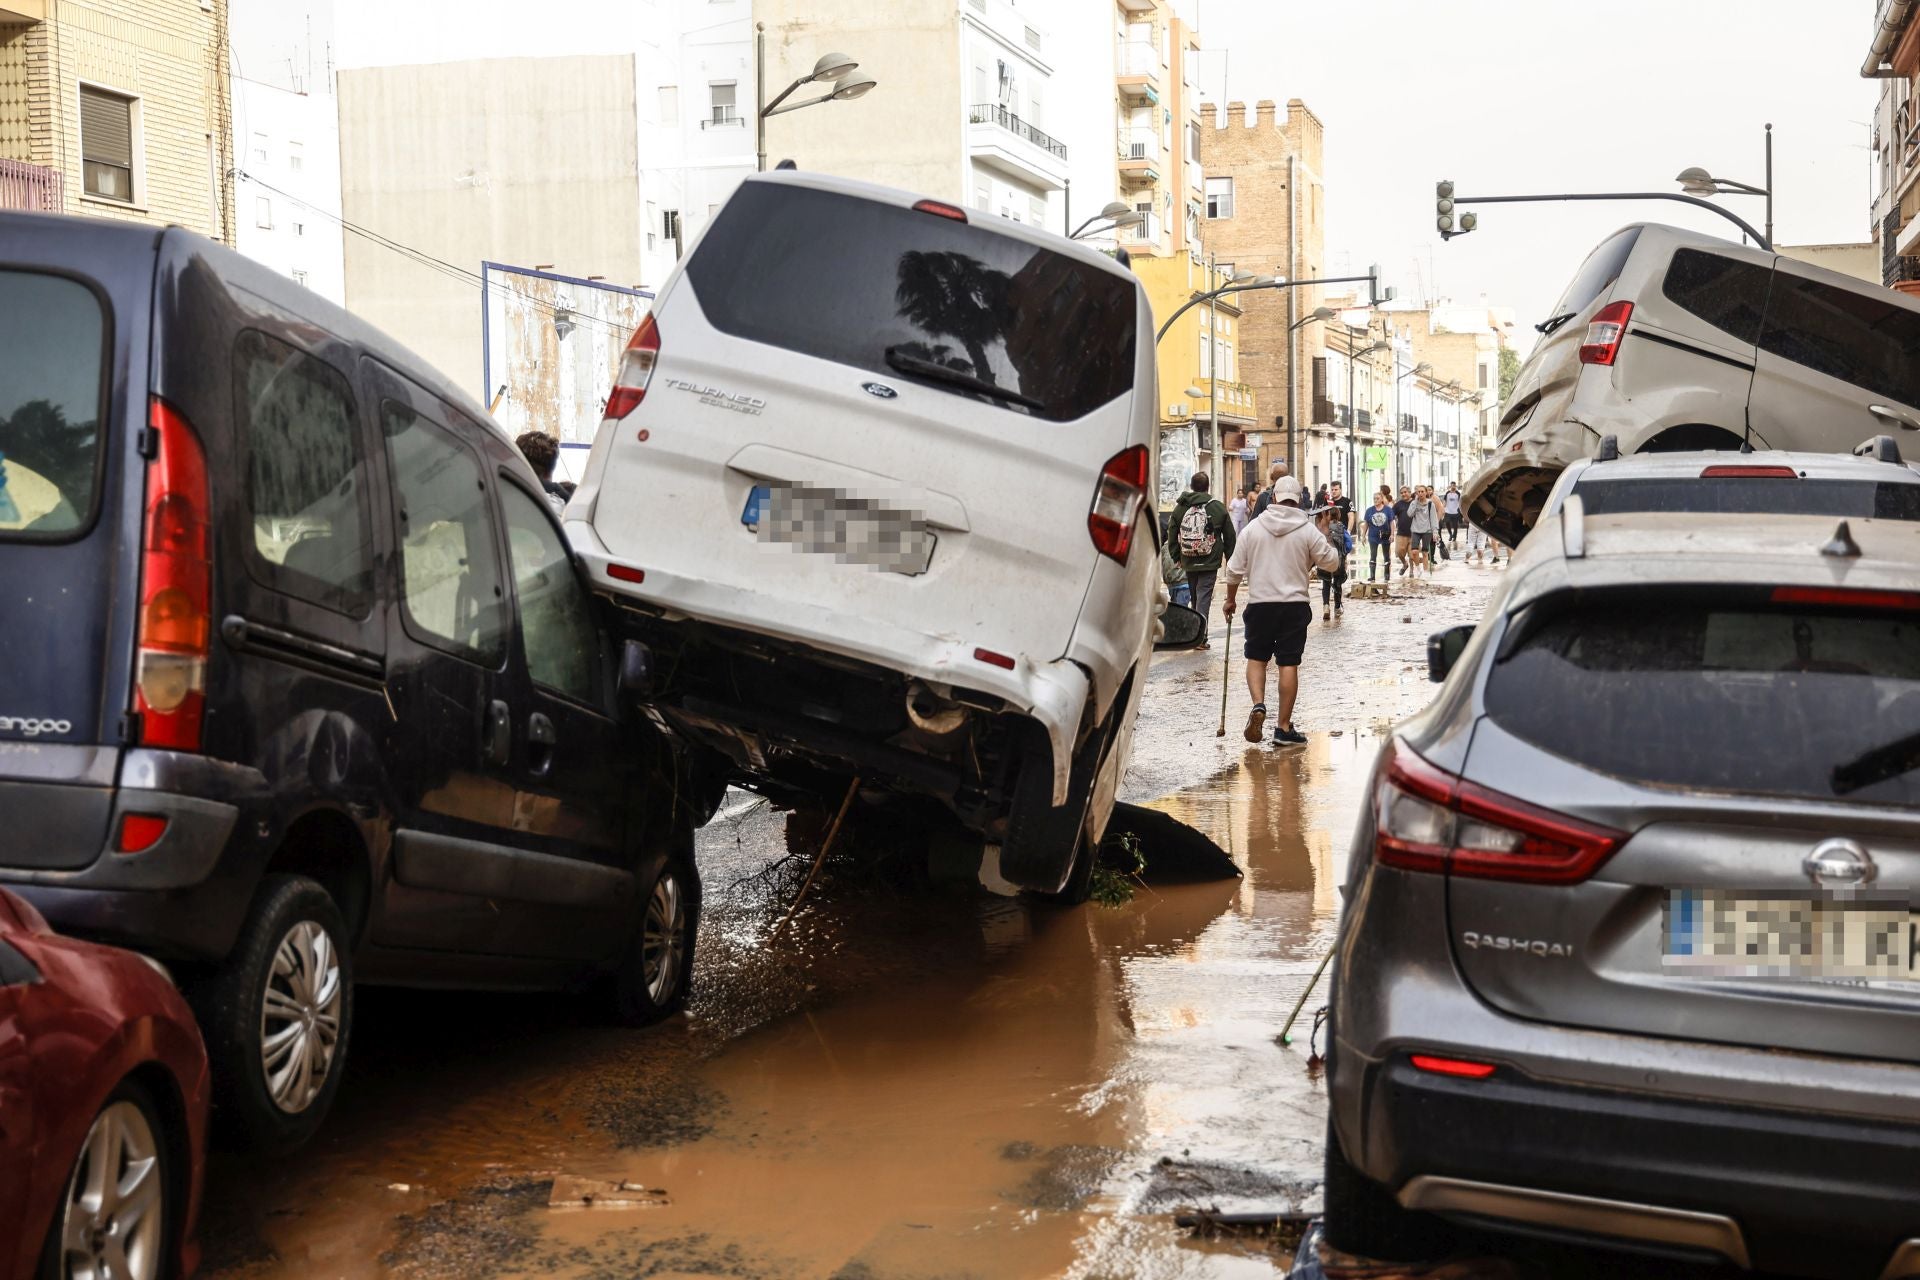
(30, 186)
(1139, 144)
(724, 117)
(994, 113)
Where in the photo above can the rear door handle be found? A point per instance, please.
(1886, 413)
(541, 740)
(499, 741)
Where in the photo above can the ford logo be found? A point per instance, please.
(879, 389)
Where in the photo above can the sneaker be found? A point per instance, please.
(1285, 737)
(1325, 614)
(1255, 718)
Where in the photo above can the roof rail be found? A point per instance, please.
(1609, 449)
(1879, 448)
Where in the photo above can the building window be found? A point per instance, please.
(296, 157)
(720, 94)
(669, 104)
(1483, 377)
(670, 223)
(106, 144)
(1038, 208)
(263, 212)
(1219, 197)
(299, 228)
(259, 152)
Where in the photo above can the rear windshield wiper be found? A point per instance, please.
(932, 370)
(1554, 322)
(1902, 755)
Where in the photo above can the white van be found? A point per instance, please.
(1672, 340)
(872, 487)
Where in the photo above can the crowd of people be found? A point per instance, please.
(1275, 542)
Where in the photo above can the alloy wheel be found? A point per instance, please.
(300, 1016)
(113, 1218)
(663, 940)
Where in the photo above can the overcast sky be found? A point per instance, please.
(1521, 96)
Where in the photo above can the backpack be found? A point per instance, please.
(1196, 532)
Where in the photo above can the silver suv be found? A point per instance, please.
(1630, 951)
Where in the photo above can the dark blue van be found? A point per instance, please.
(300, 685)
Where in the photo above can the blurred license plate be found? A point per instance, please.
(851, 530)
(1790, 935)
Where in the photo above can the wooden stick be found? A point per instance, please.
(1226, 673)
(853, 789)
(1301, 1003)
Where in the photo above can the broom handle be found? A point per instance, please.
(1226, 670)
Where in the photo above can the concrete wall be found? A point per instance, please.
(524, 160)
(1861, 261)
(910, 131)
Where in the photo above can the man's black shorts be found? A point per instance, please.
(1277, 631)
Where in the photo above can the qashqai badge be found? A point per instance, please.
(880, 389)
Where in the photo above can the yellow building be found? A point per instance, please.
(1208, 418)
(117, 109)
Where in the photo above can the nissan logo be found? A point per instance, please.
(880, 389)
(1838, 861)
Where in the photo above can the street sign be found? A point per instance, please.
(1249, 455)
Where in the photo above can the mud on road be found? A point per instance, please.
(914, 1079)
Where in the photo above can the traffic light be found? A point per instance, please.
(1443, 207)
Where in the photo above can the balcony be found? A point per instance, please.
(1235, 400)
(1140, 159)
(999, 139)
(1139, 72)
(30, 187)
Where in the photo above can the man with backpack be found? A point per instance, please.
(1203, 534)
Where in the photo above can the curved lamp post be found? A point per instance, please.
(829, 69)
(1696, 181)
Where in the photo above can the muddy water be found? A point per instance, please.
(907, 1082)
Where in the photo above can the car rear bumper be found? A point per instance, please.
(1793, 1191)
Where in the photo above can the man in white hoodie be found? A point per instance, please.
(1276, 557)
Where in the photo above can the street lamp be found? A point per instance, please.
(1353, 413)
(1115, 211)
(830, 69)
(1696, 181)
(1321, 314)
(1422, 368)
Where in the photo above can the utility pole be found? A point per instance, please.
(1213, 383)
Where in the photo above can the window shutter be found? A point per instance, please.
(106, 128)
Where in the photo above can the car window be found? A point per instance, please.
(932, 290)
(1738, 494)
(1727, 293)
(52, 398)
(306, 475)
(1864, 338)
(1675, 689)
(556, 620)
(1602, 267)
(450, 572)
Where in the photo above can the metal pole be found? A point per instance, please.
(1213, 383)
(1353, 416)
(1293, 307)
(1738, 221)
(1769, 184)
(760, 93)
(1066, 204)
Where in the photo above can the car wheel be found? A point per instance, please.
(115, 1216)
(1044, 845)
(277, 1016)
(656, 971)
(1361, 1217)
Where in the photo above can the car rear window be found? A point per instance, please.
(52, 398)
(1602, 267)
(1736, 693)
(1727, 293)
(1743, 494)
(852, 280)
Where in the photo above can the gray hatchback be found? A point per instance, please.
(1630, 951)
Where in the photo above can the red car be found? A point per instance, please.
(103, 1109)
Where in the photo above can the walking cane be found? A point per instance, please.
(1301, 1003)
(1226, 667)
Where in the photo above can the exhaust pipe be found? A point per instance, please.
(933, 712)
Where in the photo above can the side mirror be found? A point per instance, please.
(1180, 628)
(636, 670)
(1444, 649)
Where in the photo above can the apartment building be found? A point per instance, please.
(1893, 58)
(694, 90)
(286, 124)
(117, 109)
(1156, 78)
(1264, 213)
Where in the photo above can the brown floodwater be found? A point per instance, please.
(910, 1081)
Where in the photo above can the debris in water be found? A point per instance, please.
(1175, 852)
(398, 1186)
(570, 1192)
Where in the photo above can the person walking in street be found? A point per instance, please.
(1423, 522)
(1476, 544)
(1342, 509)
(1203, 534)
(542, 452)
(1403, 531)
(1265, 500)
(1379, 522)
(1333, 582)
(1452, 505)
(1276, 560)
(1240, 509)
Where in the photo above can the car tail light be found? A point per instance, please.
(1734, 471)
(1459, 1068)
(940, 209)
(176, 587)
(1429, 820)
(1117, 501)
(636, 370)
(1604, 331)
(1848, 598)
(140, 832)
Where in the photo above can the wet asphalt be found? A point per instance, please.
(915, 1078)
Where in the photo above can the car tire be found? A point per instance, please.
(139, 1220)
(655, 973)
(1361, 1217)
(275, 1068)
(1044, 849)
